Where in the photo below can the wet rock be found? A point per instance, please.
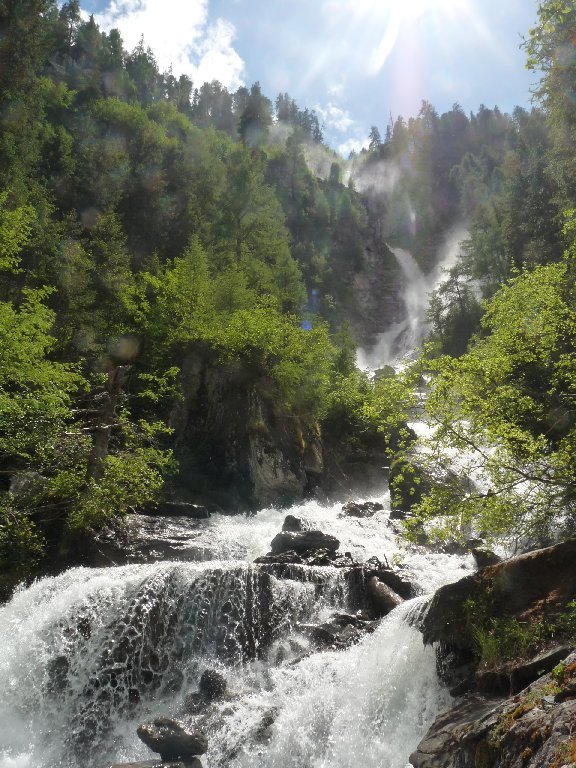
(400, 585)
(529, 730)
(212, 687)
(341, 631)
(172, 739)
(57, 672)
(382, 597)
(192, 762)
(484, 556)
(182, 509)
(295, 524)
(302, 541)
(212, 684)
(456, 668)
(323, 633)
(262, 734)
(361, 509)
(309, 557)
(348, 636)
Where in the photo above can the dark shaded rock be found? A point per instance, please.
(484, 556)
(182, 509)
(348, 636)
(456, 668)
(57, 671)
(212, 684)
(192, 762)
(568, 692)
(211, 687)
(358, 576)
(172, 739)
(529, 671)
(294, 524)
(283, 558)
(362, 509)
(530, 730)
(308, 557)
(536, 583)
(491, 682)
(383, 598)
(323, 633)
(341, 631)
(302, 541)
(262, 733)
(397, 583)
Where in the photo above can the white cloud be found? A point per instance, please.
(350, 145)
(180, 37)
(335, 117)
(217, 55)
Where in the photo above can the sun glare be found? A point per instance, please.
(388, 19)
(407, 9)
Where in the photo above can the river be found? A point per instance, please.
(88, 655)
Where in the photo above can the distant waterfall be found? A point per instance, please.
(405, 336)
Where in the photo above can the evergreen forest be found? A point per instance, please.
(159, 236)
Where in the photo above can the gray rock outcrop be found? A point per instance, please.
(533, 729)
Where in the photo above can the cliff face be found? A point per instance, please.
(238, 450)
(376, 290)
(519, 711)
(534, 729)
(233, 448)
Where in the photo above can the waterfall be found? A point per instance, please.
(87, 655)
(403, 337)
(364, 707)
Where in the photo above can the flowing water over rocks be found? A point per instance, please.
(87, 656)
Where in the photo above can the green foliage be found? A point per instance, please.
(365, 412)
(502, 639)
(15, 231)
(21, 546)
(506, 408)
(133, 476)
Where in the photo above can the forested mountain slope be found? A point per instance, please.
(178, 279)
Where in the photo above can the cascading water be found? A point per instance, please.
(403, 337)
(86, 656)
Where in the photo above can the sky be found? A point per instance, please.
(358, 63)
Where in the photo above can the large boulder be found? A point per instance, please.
(361, 509)
(537, 583)
(531, 730)
(382, 598)
(303, 541)
(172, 739)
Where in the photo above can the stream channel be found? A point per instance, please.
(88, 655)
